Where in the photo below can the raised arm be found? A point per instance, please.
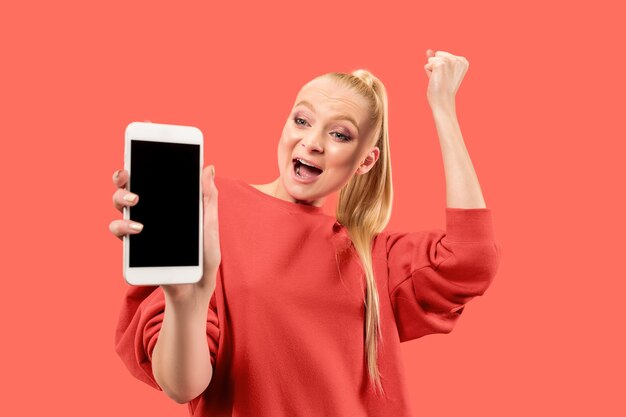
(445, 73)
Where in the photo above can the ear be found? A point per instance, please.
(369, 161)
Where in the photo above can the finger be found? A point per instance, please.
(116, 175)
(120, 178)
(120, 228)
(209, 191)
(435, 63)
(207, 178)
(211, 218)
(209, 197)
(123, 198)
(445, 54)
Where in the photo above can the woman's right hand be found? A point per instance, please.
(203, 289)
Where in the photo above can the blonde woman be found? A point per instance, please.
(300, 313)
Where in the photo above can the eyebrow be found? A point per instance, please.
(343, 116)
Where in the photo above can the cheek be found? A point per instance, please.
(287, 136)
(282, 155)
(284, 152)
(343, 159)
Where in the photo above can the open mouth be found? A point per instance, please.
(304, 170)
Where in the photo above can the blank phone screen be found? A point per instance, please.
(166, 176)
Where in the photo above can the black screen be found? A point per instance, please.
(166, 176)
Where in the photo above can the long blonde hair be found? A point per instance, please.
(364, 205)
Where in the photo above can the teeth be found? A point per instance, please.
(305, 163)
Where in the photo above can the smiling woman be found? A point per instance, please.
(296, 326)
(327, 139)
(334, 136)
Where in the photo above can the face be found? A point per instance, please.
(328, 127)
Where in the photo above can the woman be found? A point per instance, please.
(301, 313)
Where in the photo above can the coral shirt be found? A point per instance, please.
(285, 327)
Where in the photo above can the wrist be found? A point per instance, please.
(185, 297)
(443, 108)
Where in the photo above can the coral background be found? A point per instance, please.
(541, 111)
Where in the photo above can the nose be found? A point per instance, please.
(312, 142)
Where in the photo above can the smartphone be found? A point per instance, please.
(164, 163)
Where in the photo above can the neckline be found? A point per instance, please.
(294, 207)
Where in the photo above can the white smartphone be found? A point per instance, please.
(164, 163)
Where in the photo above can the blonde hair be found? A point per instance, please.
(364, 205)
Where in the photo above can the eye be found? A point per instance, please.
(296, 120)
(345, 138)
(341, 136)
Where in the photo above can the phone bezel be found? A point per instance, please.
(172, 134)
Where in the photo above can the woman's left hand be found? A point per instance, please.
(445, 73)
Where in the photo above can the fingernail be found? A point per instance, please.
(130, 197)
(136, 226)
(213, 169)
(117, 174)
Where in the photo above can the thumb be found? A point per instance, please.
(209, 191)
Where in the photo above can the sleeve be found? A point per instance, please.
(138, 329)
(433, 274)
